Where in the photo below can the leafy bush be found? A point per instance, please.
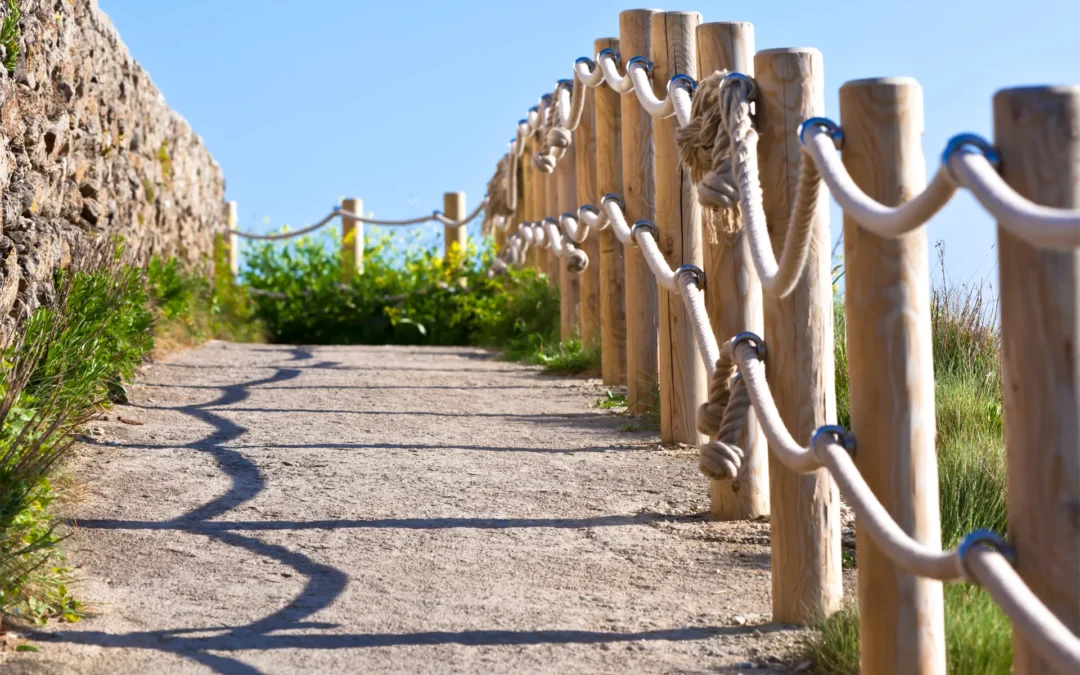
(406, 295)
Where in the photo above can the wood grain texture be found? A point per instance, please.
(1037, 131)
(638, 193)
(891, 374)
(455, 239)
(608, 127)
(569, 283)
(352, 241)
(683, 380)
(529, 191)
(804, 508)
(585, 173)
(733, 294)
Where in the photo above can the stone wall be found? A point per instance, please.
(90, 148)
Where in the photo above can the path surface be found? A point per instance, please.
(405, 510)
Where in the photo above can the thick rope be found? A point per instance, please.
(723, 419)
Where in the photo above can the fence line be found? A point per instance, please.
(968, 162)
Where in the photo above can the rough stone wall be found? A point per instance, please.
(90, 148)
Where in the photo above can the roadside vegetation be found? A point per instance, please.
(64, 368)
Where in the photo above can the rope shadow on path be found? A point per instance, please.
(324, 583)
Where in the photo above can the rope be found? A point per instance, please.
(578, 231)
(609, 66)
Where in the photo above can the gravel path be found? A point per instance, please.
(404, 510)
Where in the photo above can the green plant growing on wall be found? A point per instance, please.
(9, 35)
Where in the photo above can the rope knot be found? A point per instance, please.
(559, 137)
(723, 419)
(577, 262)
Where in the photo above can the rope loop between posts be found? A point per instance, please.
(989, 539)
(643, 225)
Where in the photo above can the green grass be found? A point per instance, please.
(610, 401)
(971, 481)
(60, 372)
(568, 358)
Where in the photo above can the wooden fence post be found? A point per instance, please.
(637, 163)
(1037, 130)
(352, 241)
(585, 171)
(528, 212)
(232, 241)
(612, 270)
(683, 379)
(732, 292)
(804, 508)
(890, 362)
(456, 238)
(569, 282)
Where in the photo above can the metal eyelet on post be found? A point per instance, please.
(835, 132)
(842, 436)
(561, 84)
(750, 83)
(643, 225)
(586, 60)
(680, 77)
(642, 61)
(590, 208)
(614, 55)
(550, 220)
(754, 339)
(613, 197)
(697, 272)
(985, 538)
(969, 142)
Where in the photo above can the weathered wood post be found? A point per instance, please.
(612, 269)
(638, 192)
(352, 241)
(1037, 130)
(733, 292)
(585, 172)
(805, 508)
(683, 379)
(890, 357)
(528, 212)
(569, 282)
(456, 238)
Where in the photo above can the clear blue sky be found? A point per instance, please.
(396, 102)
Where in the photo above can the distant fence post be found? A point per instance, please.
(733, 292)
(455, 238)
(609, 181)
(683, 381)
(890, 361)
(569, 283)
(804, 508)
(352, 241)
(585, 172)
(1037, 130)
(637, 163)
(231, 241)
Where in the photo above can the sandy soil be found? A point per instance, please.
(404, 510)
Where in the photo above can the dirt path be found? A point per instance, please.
(365, 509)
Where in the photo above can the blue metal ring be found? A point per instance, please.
(830, 127)
(525, 122)
(568, 214)
(969, 142)
(546, 98)
(609, 50)
(680, 77)
(699, 274)
(844, 437)
(590, 208)
(643, 225)
(586, 59)
(640, 59)
(984, 538)
(534, 109)
(564, 83)
(613, 197)
(551, 220)
(752, 338)
(752, 94)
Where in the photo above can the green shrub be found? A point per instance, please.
(406, 295)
